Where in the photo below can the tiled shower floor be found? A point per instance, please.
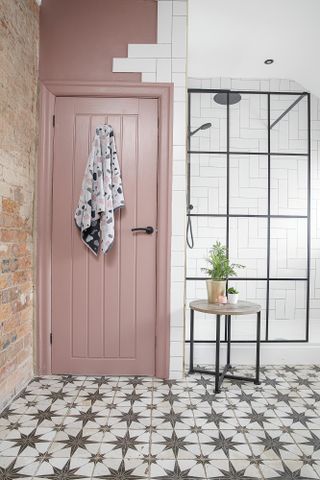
(64, 427)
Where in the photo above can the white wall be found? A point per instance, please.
(248, 187)
(166, 62)
(233, 38)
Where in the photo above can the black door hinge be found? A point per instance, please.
(53, 121)
(50, 338)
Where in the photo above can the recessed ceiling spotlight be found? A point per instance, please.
(269, 61)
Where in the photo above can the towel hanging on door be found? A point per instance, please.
(101, 192)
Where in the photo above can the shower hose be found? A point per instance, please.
(189, 233)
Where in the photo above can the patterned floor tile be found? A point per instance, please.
(232, 470)
(73, 442)
(65, 468)
(273, 445)
(18, 467)
(71, 427)
(126, 443)
(169, 444)
(177, 469)
(308, 441)
(121, 469)
(27, 442)
(129, 417)
(224, 444)
(257, 417)
(287, 470)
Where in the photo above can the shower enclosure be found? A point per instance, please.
(248, 186)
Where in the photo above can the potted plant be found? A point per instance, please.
(219, 270)
(233, 295)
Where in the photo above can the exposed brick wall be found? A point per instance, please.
(19, 33)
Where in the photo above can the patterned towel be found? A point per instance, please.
(101, 192)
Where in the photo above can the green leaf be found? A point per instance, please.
(220, 267)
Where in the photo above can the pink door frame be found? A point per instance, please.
(48, 93)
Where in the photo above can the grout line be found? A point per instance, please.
(245, 435)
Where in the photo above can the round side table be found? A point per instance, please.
(241, 308)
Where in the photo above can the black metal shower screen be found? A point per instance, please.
(227, 215)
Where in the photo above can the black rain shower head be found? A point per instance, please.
(205, 126)
(222, 98)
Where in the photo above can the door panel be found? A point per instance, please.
(104, 308)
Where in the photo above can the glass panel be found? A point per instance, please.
(203, 109)
(208, 183)
(290, 134)
(288, 185)
(248, 245)
(249, 124)
(288, 247)
(287, 310)
(206, 231)
(244, 327)
(248, 184)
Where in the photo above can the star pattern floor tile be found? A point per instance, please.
(131, 428)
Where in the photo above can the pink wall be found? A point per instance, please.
(79, 38)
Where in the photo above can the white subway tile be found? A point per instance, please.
(176, 375)
(179, 182)
(179, 65)
(148, 77)
(180, 94)
(164, 70)
(177, 295)
(164, 22)
(179, 79)
(178, 243)
(180, 7)
(179, 123)
(177, 336)
(177, 259)
(179, 152)
(179, 167)
(176, 365)
(193, 82)
(177, 274)
(134, 65)
(148, 50)
(178, 212)
(176, 348)
(179, 37)
(177, 317)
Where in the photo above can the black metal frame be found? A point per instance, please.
(268, 216)
(220, 376)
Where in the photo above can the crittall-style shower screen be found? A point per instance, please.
(249, 187)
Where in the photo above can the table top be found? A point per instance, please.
(240, 308)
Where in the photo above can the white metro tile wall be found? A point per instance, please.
(248, 195)
(165, 61)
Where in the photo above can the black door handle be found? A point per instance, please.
(148, 230)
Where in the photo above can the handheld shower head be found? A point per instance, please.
(205, 126)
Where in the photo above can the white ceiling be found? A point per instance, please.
(232, 38)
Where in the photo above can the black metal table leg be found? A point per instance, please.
(191, 340)
(228, 338)
(217, 379)
(243, 308)
(226, 327)
(257, 379)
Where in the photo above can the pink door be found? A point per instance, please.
(104, 308)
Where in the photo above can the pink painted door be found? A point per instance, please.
(104, 308)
